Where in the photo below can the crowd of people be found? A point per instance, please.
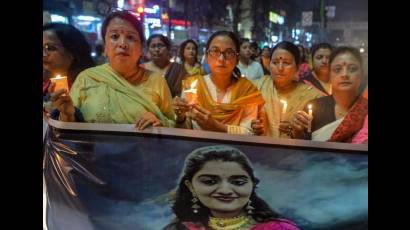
(282, 92)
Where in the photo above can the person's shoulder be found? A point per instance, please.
(308, 77)
(259, 82)
(256, 64)
(154, 77)
(321, 101)
(309, 89)
(280, 224)
(85, 74)
(148, 65)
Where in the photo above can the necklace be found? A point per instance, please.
(235, 223)
(135, 79)
(340, 112)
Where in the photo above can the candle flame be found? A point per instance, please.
(58, 76)
(310, 106)
(193, 84)
(283, 101)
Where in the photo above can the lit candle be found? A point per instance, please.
(310, 118)
(191, 94)
(60, 82)
(285, 106)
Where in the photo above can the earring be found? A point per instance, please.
(195, 206)
(249, 207)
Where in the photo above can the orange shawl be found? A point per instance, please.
(244, 93)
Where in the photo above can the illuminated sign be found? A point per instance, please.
(178, 22)
(276, 18)
(151, 10)
(155, 22)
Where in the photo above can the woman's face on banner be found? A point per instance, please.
(223, 187)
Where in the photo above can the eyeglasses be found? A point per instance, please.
(50, 48)
(228, 53)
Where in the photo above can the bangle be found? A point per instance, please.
(290, 132)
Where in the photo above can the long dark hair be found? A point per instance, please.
(193, 163)
(76, 44)
(182, 49)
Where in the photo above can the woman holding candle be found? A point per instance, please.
(282, 93)
(65, 51)
(340, 116)
(159, 48)
(217, 191)
(119, 91)
(225, 102)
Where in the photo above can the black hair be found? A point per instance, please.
(291, 48)
(316, 47)
(229, 34)
(193, 163)
(182, 48)
(99, 49)
(254, 45)
(76, 44)
(346, 49)
(164, 39)
(303, 54)
(244, 40)
(126, 16)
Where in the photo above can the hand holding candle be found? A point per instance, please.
(191, 94)
(310, 118)
(284, 107)
(60, 82)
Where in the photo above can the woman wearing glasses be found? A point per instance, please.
(119, 91)
(225, 101)
(159, 48)
(282, 86)
(65, 52)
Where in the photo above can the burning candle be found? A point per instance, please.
(191, 93)
(60, 82)
(284, 107)
(310, 118)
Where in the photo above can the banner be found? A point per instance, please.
(123, 179)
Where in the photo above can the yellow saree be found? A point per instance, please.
(195, 70)
(244, 94)
(295, 99)
(103, 96)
